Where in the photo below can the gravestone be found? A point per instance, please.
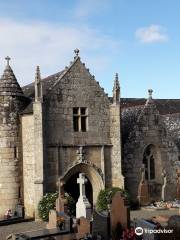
(83, 207)
(83, 227)
(101, 224)
(178, 184)
(58, 218)
(119, 212)
(143, 189)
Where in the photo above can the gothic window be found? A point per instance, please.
(80, 119)
(149, 162)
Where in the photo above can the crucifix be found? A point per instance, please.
(83, 207)
(8, 59)
(82, 181)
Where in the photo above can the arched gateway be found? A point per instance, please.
(94, 185)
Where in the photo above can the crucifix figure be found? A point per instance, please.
(7, 59)
(80, 153)
(83, 207)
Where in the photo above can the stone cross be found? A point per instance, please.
(76, 51)
(82, 181)
(83, 207)
(8, 59)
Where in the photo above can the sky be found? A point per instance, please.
(138, 39)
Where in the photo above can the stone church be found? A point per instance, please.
(65, 124)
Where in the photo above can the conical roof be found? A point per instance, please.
(9, 85)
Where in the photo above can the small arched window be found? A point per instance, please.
(149, 162)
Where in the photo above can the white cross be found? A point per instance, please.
(82, 181)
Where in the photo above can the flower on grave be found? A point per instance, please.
(60, 220)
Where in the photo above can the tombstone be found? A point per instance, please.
(119, 212)
(101, 224)
(83, 207)
(83, 227)
(178, 184)
(143, 189)
(164, 193)
(58, 218)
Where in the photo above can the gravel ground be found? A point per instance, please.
(20, 227)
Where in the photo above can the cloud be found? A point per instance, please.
(84, 8)
(152, 34)
(50, 46)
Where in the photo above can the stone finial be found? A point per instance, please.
(149, 99)
(37, 74)
(76, 51)
(8, 60)
(38, 85)
(116, 89)
(150, 91)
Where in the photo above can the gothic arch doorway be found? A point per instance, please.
(93, 186)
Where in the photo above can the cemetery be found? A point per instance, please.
(112, 219)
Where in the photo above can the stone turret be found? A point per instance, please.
(12, 101)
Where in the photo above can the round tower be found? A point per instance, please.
(12, 101)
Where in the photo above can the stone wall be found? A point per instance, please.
(149, 129)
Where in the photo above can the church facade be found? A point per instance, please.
(65, 124)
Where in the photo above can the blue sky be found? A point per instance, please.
(138, 39)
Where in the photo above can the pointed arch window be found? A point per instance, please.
(149, 162)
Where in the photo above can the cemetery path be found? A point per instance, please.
(20, 227)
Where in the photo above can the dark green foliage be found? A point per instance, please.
(105, 197)
(48, 202)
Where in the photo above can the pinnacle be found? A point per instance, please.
(8, 82)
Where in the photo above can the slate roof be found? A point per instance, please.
(164, 106)
(47, 84)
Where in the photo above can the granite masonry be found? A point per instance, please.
(65, 124)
